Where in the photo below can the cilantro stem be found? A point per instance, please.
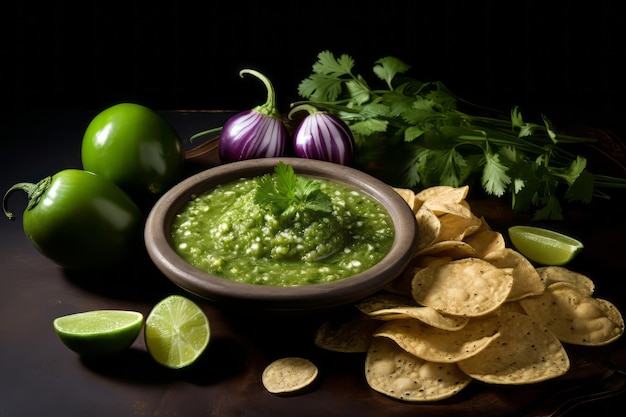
(608, 181)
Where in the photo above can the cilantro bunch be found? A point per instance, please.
(417, 133)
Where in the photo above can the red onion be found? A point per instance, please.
(321, 135)
(256, 133)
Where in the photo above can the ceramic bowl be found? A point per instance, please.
(307, 297)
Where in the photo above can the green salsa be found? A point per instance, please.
(224, 232)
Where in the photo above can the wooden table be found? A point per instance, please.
(39, 376)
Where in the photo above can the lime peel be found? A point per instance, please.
(544, 246)
(99, 332)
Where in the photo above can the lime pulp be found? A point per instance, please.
(176, 332)
(544, 246)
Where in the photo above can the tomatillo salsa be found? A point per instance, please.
(224, 231)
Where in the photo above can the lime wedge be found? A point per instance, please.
(99, 332)
(544, 246)
(177, 332)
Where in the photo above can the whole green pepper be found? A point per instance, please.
(80, 220)
(135, 147)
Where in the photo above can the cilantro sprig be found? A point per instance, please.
(418, 129)
(287, 194)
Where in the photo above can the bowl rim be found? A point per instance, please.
(158, 240)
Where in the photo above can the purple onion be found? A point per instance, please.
(326, 137)
(251, 134)
(256, 133)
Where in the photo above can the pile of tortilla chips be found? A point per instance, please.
(469, 308)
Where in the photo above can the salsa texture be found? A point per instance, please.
(224, 232)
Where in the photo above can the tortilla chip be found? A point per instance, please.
(552, 274)
(526, 279)
(392, 371)
(484, 240)
(428, 227)
(439, 345)
(509, 306)
(393, 307)
(524, 353)
(454, 249)
(454, 227)
(441, 207)
(466, 287)
(288, 375)
(574, 316)
(443, 193)
(408, 195)
(383, 301)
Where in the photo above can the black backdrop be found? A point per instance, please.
(558, 58)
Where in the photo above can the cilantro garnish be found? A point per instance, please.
(417, 130)
(287, 194)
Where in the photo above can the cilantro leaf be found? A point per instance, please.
(328, 64)
(495, 179)
(287, 194)
(571, 174)
(368, 127)
(387, 68)
(329, 74)
(582, 188)
(321, 87)
(359, 90)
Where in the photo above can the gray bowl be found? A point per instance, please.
(261, 297)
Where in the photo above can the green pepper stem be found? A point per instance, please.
(34, 192)
(269, 108)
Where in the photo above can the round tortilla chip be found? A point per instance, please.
(392, 371)
(552, 274)
(574, 316)
(468, 287)
(526, 279)
(439, 345)
(289, 375)
(393, 307)
(525, 353)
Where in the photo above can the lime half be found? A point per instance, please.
(99, 332)
(177, 332)
(544, 246)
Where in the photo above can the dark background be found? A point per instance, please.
(556, 58)
(61, 59)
